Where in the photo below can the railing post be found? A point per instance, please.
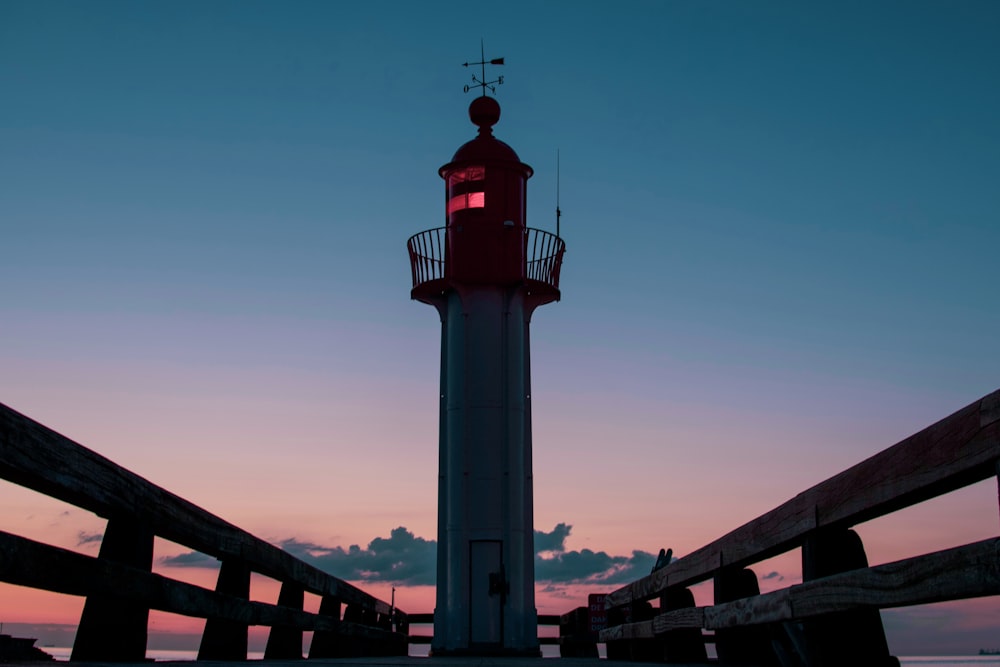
(325, 643)
(575, 638)
(746, 644)
(350, 644)
(402, 623)
(683, 644)
(224, 639)
(645, 650)
(849, 637)
(619, 648)
(110, 629)
(286, 643)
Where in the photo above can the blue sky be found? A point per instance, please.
(782, 223)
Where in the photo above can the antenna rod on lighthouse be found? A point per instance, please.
(558, 212)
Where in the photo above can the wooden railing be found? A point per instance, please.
(544, 620)
(832, 617)
(121, 588)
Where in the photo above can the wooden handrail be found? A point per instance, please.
(34, 564)
(959, 450)
(968, 571)
(34, 456)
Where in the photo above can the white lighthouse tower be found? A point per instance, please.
(485, 272)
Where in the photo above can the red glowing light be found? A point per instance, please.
(467, 200)
(475, 173)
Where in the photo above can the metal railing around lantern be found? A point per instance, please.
(543, 256)
(427, 252)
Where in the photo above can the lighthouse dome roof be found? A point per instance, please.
(485, 112)
(482, 149)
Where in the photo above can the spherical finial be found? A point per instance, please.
(484, 112)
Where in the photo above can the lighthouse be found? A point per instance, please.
(485, 272)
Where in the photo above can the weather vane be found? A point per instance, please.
(482, 82)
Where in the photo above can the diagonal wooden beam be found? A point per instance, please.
(969, 571)
(959, 450)
(34, 456)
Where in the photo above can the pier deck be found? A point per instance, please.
(399, 661)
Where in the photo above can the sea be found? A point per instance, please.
(62, 654)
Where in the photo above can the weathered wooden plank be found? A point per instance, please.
(944, 457)
(964, 572)
(989, 409)
(35, 456)
(351, 629)
(639, 630)
(768, 608)
(690, 617)
(958, 450)
(420, 619)
(358, 640)
(611, 634)
(24, 562)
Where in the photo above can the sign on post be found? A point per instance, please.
(597, 617)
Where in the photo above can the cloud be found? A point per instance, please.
(592, 567)
(555, 565)
(773, 575)
(401, 558)
(189, 559)
(88, 538)
(554, 541)
(555, 591)
(405, 559)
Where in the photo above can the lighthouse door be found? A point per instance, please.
(487, 591)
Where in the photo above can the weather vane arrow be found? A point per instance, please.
(480, 81)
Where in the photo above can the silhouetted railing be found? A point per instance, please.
(544, 620)
(121, 588)
(832, 617)
(543, 256)
(427, 253)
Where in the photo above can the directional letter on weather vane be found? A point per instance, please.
(478, 82)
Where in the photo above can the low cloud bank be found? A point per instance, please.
(402, 558)
(555, 565)
(405, 559)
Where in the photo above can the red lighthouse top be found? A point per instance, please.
(485, 240)
(485, 112)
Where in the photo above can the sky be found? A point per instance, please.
(782, 231)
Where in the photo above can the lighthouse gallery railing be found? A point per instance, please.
(543, 255)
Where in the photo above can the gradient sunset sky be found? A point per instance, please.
(782, 221)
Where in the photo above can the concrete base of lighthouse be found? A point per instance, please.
(485, 575)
